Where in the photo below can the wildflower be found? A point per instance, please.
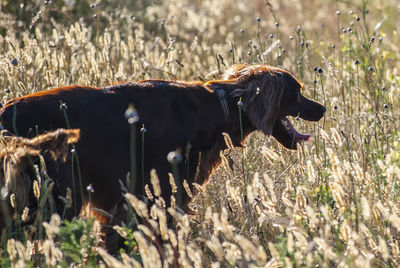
(90, 188)
(174, 157)
(24, 215)
(365, 208)
(51, 252)
(36, 190)
(228, 140)
(139, 206)
(155, 183)
(172, 183)
(12, 252)
(173, 202)
(120, 230)
(12, 200)
(148, 192)
(63, 106)
(53, 226)
(131, 114)
(187, 188)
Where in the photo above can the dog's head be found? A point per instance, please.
(269, 95)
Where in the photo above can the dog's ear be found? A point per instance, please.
(261, 98)
(19, 153)
(15, 178)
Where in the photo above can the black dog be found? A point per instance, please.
(189, 116)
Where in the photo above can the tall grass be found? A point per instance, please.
(333, 202)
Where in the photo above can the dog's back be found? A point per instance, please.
(168, 110)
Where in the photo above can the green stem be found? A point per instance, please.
(323, 123)
(143, 134)
(14, 120)
(241, 134)
(75, 158)
(74, 200)
(178, 185)
(132, 184)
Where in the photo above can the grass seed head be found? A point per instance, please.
(155, 183)
(172, 183)
(187, 188)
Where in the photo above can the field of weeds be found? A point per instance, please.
(332, 203)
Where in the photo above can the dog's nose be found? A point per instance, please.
(323, 109)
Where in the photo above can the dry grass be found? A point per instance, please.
(334, 202)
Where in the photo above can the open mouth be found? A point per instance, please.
(285, 133)
(292, 132)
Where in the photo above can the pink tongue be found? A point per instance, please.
(297, 135)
